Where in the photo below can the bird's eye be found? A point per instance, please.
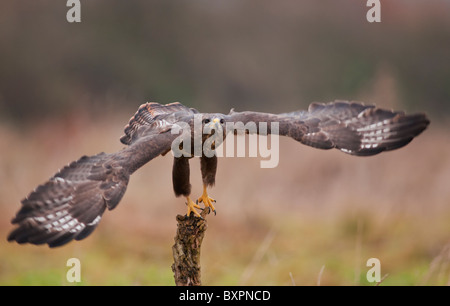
(206, 121)
(222, 121)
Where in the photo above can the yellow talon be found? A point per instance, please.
(191, 206)
(207, 200)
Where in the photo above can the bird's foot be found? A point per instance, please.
(191, 207)
(207, 201)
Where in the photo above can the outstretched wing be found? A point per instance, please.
(154, 118)
(351, 127)
(71, 203)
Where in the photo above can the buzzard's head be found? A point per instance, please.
(213, 122)
(214, 126)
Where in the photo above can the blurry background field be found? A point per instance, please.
(68, 89)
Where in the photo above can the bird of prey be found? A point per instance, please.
(71, 203)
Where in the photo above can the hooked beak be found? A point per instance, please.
(215, 124)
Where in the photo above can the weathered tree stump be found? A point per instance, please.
(186, 250)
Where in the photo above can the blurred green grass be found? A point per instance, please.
(298, 248)
(316, 209)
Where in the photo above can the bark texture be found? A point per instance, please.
(186, 250)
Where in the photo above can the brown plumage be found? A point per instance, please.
(71, 203)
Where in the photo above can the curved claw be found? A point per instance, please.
(205, 199)
(191, 207)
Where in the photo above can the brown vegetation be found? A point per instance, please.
(320, 208)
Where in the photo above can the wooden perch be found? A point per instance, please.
(186, 250)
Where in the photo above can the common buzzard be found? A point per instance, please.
(71, 203)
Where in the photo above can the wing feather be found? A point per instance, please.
(351, 127)
(154, 118)
(70, 204)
